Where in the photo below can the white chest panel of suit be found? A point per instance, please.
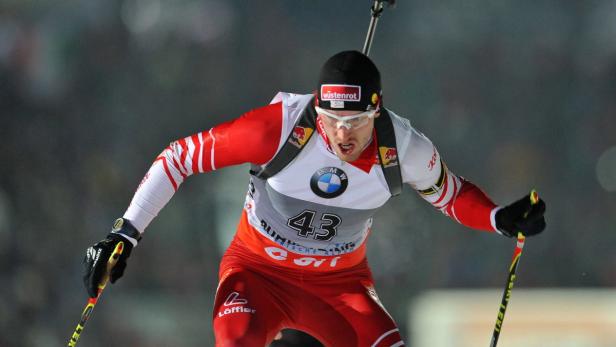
(321, 205)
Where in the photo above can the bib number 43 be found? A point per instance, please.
(303, 223)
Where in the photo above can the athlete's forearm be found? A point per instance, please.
(472, 207)
(461, 200)
(178, 161)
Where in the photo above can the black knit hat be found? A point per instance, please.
(349, 81)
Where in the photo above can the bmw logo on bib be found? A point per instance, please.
(329, 182)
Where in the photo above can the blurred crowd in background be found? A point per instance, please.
(515, 94)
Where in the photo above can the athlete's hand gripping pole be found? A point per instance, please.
(517, 253)
(87, 311)
(376, 10)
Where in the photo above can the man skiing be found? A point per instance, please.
(322, 165)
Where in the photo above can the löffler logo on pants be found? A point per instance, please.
(235, 304)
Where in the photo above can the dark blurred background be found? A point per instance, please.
(515, 94)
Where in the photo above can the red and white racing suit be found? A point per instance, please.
(298, 259)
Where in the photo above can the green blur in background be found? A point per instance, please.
(515, 95)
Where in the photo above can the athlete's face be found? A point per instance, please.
(348, 132)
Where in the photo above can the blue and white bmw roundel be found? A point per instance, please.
(329, 182)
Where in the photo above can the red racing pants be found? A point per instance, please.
(257, 298)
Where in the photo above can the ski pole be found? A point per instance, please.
(87, 311)
(376, 10)
(517, 253)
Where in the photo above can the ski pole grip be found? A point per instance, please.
(534, 197)
(113, 259)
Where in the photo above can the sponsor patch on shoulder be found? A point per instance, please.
(300, 135)
(389, 156)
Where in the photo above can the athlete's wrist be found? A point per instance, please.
(126, 230)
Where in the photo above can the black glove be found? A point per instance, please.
(521, 216)
(95, 261)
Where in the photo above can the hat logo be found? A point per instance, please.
(340, 92)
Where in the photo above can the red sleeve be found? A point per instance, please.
(472, 207)
(460, 199)
(252, 138)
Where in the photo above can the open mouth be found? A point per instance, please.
(346, 148)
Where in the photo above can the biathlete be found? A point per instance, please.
(322, 165)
